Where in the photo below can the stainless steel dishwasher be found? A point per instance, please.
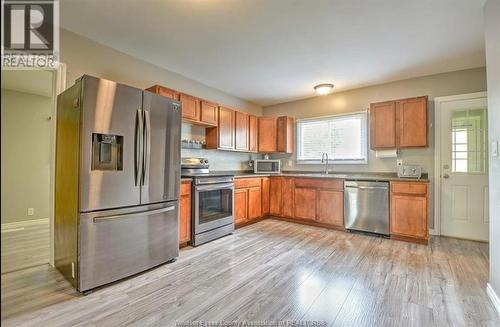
(366, 206)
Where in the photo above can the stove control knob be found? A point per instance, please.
(206, 161)
(201, 160)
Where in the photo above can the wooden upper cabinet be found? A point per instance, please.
(209, 113)
(253, 145)
(190, 107)
(163, 91)
(241, 131)
(267, 127)
(284, 131)
(411, 121)
(226, 129)
(399, 124)
(383, 125)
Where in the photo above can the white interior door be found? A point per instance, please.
(464, 168)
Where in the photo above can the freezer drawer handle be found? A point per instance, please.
(128, 215)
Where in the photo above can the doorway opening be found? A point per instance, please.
(461, 166)
(28, 132)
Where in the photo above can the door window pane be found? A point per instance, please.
(469, 141)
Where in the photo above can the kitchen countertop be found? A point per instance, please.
(375, 176)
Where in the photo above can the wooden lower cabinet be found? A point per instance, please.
(247, 200)
(265, 185)
(409, 206)
(330, 207)
(185, 213)
(240, 205)
(318, 201)
(305, 203)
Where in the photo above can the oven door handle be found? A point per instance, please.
(214, 187)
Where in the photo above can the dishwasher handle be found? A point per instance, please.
(368, 187)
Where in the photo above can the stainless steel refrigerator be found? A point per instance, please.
(117, 181)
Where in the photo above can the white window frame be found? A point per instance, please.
(331, 160)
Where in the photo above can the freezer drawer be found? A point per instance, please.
(366, 206)
(115, 244)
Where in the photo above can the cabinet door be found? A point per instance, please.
(241, 131)
(411, 119)
(185, 219)
(383, 125)
(284, 142)
(267, 134)
(226, 128)
(254, 202)
(240, 205)
(331, 207)
(185, 213)
(163, 91)
(209, 113)
(252, 134)
(265, 195)
(287, 197)
(275, 195)
(409, 216)
(190, 107)
(305, 203)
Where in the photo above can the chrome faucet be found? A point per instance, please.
(323, 156)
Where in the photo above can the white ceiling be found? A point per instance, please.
(272, 51)
(38, 82)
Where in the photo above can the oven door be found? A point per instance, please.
(213, 206)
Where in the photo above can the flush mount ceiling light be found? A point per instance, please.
(323, 89)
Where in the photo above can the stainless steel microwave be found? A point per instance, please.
(267, 166)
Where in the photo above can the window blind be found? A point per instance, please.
(342, 137)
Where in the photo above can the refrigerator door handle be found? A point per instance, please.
(139, 126)
(146, 147)
(128, 215)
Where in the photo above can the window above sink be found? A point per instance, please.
(342, 137)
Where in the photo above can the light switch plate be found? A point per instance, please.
(494, 149)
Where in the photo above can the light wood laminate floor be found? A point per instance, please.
(275, 270)
(26, 245)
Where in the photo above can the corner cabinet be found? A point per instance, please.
(409, 211)
(399, 124)
(276, 134)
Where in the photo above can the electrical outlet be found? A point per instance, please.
(31, 211)
(399, 162)
(290, 163)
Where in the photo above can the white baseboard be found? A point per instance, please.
(433, 232)
(493, 296)
(25, 223)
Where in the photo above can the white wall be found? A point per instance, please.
(85, 56)
(492, 38)
(25, 155)
(459, 82)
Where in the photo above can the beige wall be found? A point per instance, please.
(25, 155)
(84, 56)
(492, 27)
(460, 82)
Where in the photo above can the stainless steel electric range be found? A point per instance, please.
(213, 201)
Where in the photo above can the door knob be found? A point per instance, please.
(446, 176)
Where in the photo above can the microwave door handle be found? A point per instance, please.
(138, 148)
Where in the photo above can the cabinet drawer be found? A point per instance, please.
(409, 188)
(185, 188)
(246, 182)
(330, 183)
